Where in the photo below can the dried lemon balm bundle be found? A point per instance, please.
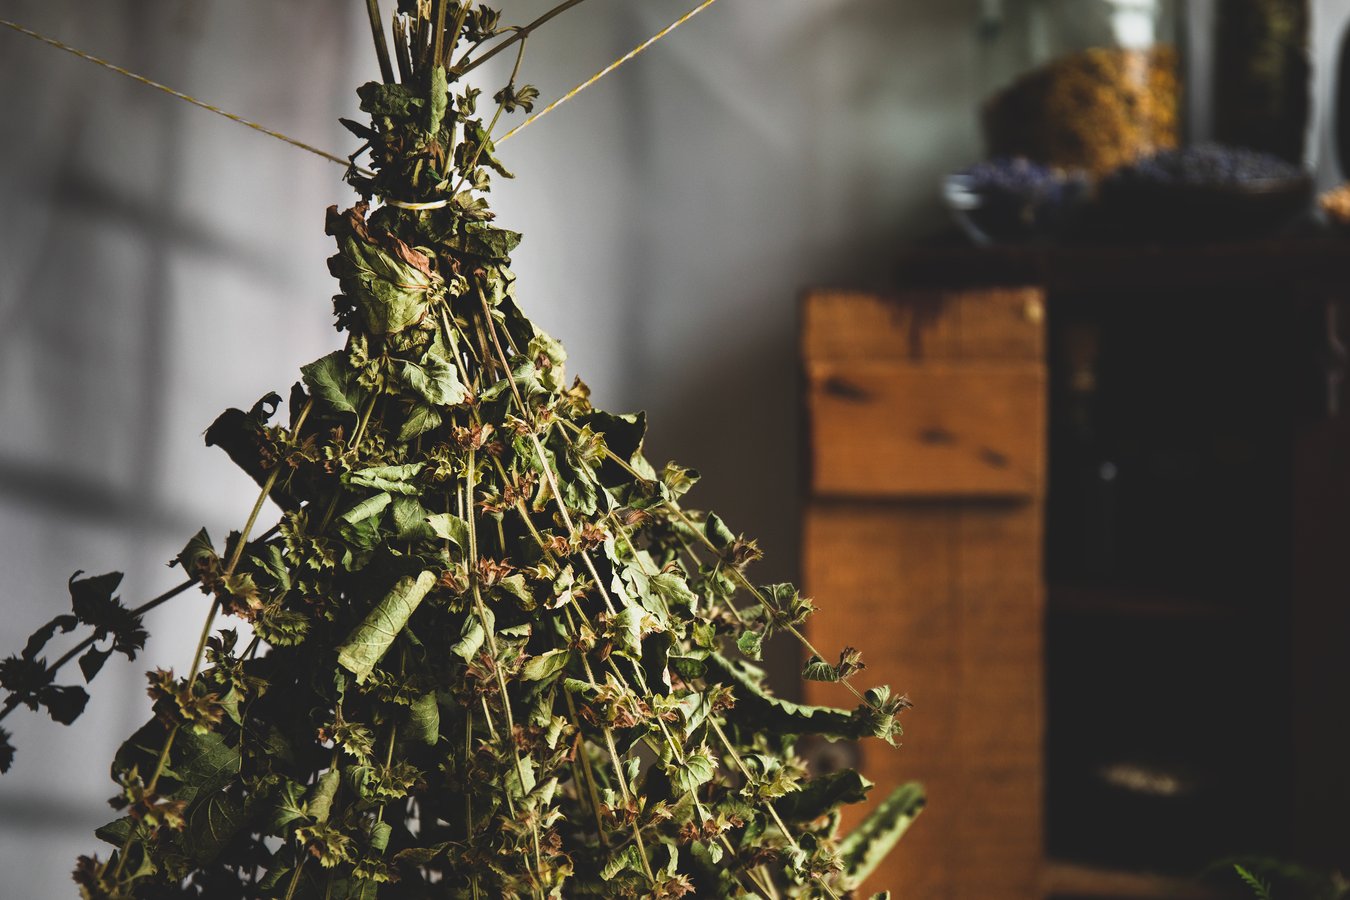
(486, 650)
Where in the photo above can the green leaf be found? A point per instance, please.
(196, 553)
(409, 519)
(395, 101)
(698, 769)
(319, 800)
(370, 508)
(394, 479)
(424, 720)
(539, 668)
(368, 642)
(472, 636)
(520, 781)
(758, 708)
(115, 832)
(332, 381)
(1258, 886)
(360, 525)
(628, 859)
(717, 531)
(817, 669)
(421, 419)
(389, 283)
(626, 631)
(450, 528)
(434, 379)
(868, 844)
(673, 591)
(439, 95)
(549, 358)
(380, 833)
(286, 807)
(212, 822)
(751, 643)
(822, 795)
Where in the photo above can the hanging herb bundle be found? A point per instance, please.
(491, 654)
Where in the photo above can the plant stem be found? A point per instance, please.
(468, 795)
(381, 44)
(487, 136)
(454, 35)
(295, 877)
(510, 737)
(466, 66)
(437, 34)
(586, 768)
(13, 701)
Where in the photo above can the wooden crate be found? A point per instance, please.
(922, 545)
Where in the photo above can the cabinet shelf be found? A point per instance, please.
(1129, 602)
(1072, 881)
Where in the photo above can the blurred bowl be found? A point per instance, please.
(1040, 207)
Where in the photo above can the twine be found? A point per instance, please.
(606, 70)
(430, 204)
(332, 157)
(53, 42)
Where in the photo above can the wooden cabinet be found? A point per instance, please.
(1124, 642)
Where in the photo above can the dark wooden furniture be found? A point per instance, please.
(1091, 507)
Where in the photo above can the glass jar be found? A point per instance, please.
(1080, 84)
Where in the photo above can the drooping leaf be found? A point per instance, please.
(433, 379)
(867, 845)
(285, 807)
(424, 719)
(760, 708)
(390, 283)
(332, 382)
(212, 822)
(366, 645)
(93, 660)
(546, 665)
(626, 629)
(450, 528)
(472, 637)
(394, 479)
(817, 669)
(422, 418)
(438, 99)
(698, 769)
(409, 518)
(823, 794)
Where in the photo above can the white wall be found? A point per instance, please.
(672, 215)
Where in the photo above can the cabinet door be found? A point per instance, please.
(922, 546)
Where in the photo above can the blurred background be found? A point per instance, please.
(160, 264)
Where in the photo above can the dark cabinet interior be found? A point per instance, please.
(1168, 570)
